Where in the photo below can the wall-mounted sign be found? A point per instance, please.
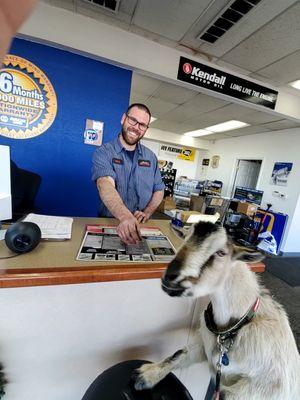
(187, 154)
(28, 102)
(183, 153)
(205, 161)
(168, 149)
(281, 172)
(219, 81)
(93, 133)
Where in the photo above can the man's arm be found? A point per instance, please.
(12, 15)
(128, 229)
(143, 216)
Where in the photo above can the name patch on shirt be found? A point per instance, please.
(117, 161)
(144, 163)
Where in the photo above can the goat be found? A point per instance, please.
(258, 359)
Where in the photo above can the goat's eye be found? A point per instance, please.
(221, 253)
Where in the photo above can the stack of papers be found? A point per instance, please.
(56, 228)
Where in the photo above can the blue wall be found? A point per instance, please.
(85, 88)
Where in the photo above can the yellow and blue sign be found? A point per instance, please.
(187, 154)
(28, 103)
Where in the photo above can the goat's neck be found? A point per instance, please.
(233, 298)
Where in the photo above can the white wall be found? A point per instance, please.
(292, 243)
(270, 147)
(55, 340)
(191, 169)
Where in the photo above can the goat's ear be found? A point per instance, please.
(248, 256)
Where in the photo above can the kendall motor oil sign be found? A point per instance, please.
(219, 81)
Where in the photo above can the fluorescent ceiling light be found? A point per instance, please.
(223, 127)
(295, 84)
(227, 126)
(152, 119)
(198, 132)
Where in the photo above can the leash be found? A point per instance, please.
(225, 339)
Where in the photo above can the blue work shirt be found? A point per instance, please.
(136, 180)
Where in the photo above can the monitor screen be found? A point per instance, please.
(250, 195)
(5, 189)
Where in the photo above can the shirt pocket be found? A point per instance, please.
(145, 181)
(120, 179)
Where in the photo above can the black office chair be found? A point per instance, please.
(116, 384)
(24, 188)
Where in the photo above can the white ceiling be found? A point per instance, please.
(264, 44)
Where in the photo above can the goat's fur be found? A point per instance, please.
(264, 360)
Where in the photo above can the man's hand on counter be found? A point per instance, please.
(129, 230)
(142, 216)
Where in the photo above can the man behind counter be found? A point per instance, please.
(127, 175)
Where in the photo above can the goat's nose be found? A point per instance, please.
(173, 270)
(170, 281)
(170, 277)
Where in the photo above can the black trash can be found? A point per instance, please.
(116, 384)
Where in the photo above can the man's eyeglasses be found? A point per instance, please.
(132, 121)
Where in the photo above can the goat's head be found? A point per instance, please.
(203, 262)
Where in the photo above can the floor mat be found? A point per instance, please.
(285, 268)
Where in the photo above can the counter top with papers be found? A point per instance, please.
(54, 263)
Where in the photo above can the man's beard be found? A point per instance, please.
(130, 141)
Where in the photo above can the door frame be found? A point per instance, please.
(234, 172)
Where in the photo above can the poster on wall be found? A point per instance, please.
(215, 160)
(183, 153)
(165, 165)
(93, 133)
(280, 174)
(187, 154)
(28, 103)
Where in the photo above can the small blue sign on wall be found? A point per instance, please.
(85, 89)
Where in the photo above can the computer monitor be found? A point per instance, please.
(249, 195)
(5, 188)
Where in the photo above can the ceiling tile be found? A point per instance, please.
(248, 130)
(264, 80)
(285, 70)
(257, 18)
(206, 17)
(128, 7)
(66, 4)
(202, 121)
(256, 118)
(138, 97)
(169, 18)
(174, 93)
(275, 40)
(232, 68)
(165, 125)
(144, 84)
(180, 114)
(282, 124)
(193, 108)
(205, 103)
(152, 36)
(99, 14)
(159, 107)
(214, 136)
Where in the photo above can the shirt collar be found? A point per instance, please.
(118, 146)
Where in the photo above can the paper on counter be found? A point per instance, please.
(52, 227)
(2, 233)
